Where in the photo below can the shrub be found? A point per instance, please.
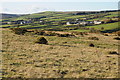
(105, 34)
(41, 40)
(102, 28)
(117, 38)
(93, 38)
(50, 34)
(92, 30)
(77, 33)
(91, 45)
(65, 35)
(85, 69)
(62, 73)
(16, 64)
(85, 33)
(118, 33)
(19, 31)
(113, 52)
(39, 32)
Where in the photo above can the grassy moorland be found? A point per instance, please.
(62, 57)
(84, 54)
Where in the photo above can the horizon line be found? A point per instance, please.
(59, 11)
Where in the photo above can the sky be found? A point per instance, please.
(59, 0)
(35, 6)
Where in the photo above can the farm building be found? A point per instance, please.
(97, 22)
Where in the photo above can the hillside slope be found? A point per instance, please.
(63, 57)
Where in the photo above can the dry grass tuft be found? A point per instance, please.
(41, 40)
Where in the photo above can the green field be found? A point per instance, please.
(54, 18)
(109, 26)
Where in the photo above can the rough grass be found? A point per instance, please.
(63, 57)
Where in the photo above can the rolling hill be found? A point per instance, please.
(57, 20)
(6, 16)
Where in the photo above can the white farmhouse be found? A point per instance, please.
(68, 23)
(41, 21)
(97, 22)
(21, 22)
(83, 23)
(8, 22)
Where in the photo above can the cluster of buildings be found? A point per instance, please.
(28, 21)
(22, 22)
(95, 22)
(84, 22)
(19, 22)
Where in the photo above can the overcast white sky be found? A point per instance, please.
(59, 0)
(34, 6)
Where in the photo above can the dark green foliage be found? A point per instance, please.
(93, 38)
(41, 40)
(19, 31)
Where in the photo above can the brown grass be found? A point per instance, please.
(63, 57)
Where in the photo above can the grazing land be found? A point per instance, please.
(72, 51)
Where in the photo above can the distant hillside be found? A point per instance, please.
(5, 16)
(52, 14)
(93, 12)
(65, 21)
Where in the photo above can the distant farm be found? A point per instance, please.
(64, 21)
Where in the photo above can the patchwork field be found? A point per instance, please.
(62, 57)
(57, 20)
